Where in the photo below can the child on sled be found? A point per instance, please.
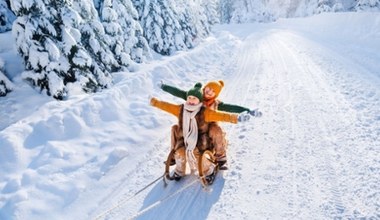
(210, 100)
(190, 136)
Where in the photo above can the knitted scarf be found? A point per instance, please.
(211, 103)
(190, 131)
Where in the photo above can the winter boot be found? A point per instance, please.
(222, 162)
(210, 178)
(172, 162)
(177, 177)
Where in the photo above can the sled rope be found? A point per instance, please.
(159, 202)
(123, 201)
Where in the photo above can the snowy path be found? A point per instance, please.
(304, 159)
(314, 154)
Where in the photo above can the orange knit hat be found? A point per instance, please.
(216, 86)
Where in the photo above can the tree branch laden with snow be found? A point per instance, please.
(6, 85)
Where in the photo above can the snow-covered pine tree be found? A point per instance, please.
(211, 11)
(337, 6)
(199, 18)
(5, 84)
(6, 16)
(153, 25)
(306, 8)
(160, 25)
(125, 35)
(193, 21)
(186, 22)
(245, 11)
(171, 25)
(176, 37)
(225, 11)
(367, 5)
(240, 11)
(48, 35)
(95, 41)
(323, 6)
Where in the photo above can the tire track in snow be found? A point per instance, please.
(238, 91)
(299, 162)
(335, 126)
(282, 109)
(357, 94)
(313, 91)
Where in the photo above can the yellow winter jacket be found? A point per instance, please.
(210, 115)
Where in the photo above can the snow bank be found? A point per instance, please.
(55, 150)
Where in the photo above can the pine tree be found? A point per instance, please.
(160, 25)
(125, 35)
(153, 25)
(6, 16)
(367, 5)
(176, 37)
(338, 6)
(5, 85)
(211, 11)
(95, 42)
(58, 46)
(323, 6)
(199, 18)
(187, 23)
(193, 21)
(172, 25)
(245, 11)
(225, 10)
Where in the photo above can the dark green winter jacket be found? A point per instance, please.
(221, 106)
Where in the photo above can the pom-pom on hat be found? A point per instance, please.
(196, 91)
(216, 86)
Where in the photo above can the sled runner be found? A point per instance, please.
(209, 156)
(206, 156)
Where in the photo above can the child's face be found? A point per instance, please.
(208, 93)
(192, 100)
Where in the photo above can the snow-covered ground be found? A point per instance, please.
(315, 153)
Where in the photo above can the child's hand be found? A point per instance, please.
(243, 117)
(160, 83)
(255, 113)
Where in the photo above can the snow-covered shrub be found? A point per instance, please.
(5, 85)
(6, 16)
(60, 43)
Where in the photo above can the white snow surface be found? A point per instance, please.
(314, 154)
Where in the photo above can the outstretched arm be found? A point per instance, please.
(174, 91)
(166, 106)
(214, 116)
(231, 108)
(238, 109)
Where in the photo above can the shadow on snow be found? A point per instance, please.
(175, 202)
